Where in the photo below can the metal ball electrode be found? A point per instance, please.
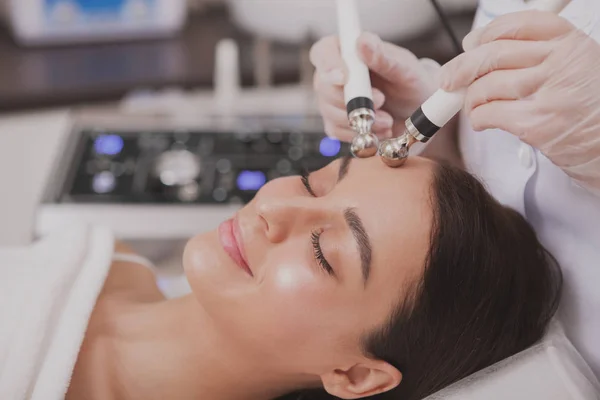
(364, 146)
(394, 152)
(365, 143)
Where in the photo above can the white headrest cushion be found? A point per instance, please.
(550, 370)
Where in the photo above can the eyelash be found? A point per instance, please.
(316, 236)
(315, 239)
(304, 178)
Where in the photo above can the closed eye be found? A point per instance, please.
(306, 183)
(315, 239)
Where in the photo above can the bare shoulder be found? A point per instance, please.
(130, 280)
(127, 286)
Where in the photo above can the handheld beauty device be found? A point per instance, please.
(424, 123)
(358, 94)
(439, 109)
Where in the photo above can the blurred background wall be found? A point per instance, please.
(273, 37)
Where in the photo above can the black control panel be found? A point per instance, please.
(188, 167)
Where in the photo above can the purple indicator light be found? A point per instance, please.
(330, 147)
(251, 180)
(104, 182)
(108, 145)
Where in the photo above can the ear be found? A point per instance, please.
(368, 378)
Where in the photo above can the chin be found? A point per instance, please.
(201, 261)
(215, 282)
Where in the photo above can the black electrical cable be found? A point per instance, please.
(446, 22)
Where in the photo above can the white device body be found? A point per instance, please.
(555, 6)
(442, 106)
(49, 22)
(359, 80)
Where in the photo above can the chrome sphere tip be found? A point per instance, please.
(364, 146)
(394, 152)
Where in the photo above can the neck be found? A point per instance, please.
(169, 349)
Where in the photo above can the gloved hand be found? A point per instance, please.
(400, 81)
(534, 75)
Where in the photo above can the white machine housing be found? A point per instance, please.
(51, 22)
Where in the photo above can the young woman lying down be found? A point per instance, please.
(357, 281)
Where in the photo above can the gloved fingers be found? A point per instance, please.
(529, 25)
(335, 96)
(510, 84)
(500, 55)
(430, 65)
(336, 124)
(393, 63)
(378, 98)
(587, 175)
(326, 57)
(328, 92)
(328, 83)
(513, 116)
(335, 121)
(382, 127)
(432, 68)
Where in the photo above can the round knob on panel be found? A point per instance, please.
(189, 192)
(177, 167)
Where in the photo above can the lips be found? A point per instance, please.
(232, 242)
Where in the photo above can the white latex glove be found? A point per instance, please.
(400, 81)
(534, 75)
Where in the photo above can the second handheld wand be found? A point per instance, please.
(358, 93)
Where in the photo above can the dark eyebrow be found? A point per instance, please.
(362, 240)
(344, 166)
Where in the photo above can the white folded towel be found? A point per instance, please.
(47, 293)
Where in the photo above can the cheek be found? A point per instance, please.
(291, 310)
(304, 309)
(294, 290)
(291, 278)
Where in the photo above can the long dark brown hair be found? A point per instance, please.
(489, 291)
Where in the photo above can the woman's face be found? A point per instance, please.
(301, 274)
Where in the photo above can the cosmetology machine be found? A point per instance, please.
(155, 184)
(170, 165)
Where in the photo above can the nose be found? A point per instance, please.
(285, 217)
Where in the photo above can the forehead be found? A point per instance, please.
(396, 208)
(411, 182)
(394, 203)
